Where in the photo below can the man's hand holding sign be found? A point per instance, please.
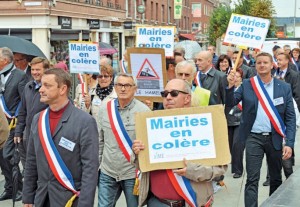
(172, 178)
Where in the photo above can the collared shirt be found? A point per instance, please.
(262, 122)
(281, 73)
(37, 85)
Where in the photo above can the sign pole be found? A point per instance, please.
(237, 60)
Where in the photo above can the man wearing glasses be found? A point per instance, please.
(116, 134)
(156, 188)
(21, 62)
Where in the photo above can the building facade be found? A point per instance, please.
(51, 23)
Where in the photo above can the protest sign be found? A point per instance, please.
(198, 134)
(84, 57)
(246, 31)
(148, 65)
(156, 37)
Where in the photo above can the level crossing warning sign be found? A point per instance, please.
(147, 71)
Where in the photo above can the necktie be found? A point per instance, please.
(281, 75)
(202, 77)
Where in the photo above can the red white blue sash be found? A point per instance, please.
(197, 79)
(57, 165)
(240, 106)
(81, 82)
(267, 105)
(118, 129)
(275, 65)
(183, 187)
(6, 111)
(123, 66)
(294, 62)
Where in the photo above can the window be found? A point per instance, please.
(151, 10)
(156, 9)
(162, 13)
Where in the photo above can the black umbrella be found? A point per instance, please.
(15, 173)
(19, 45)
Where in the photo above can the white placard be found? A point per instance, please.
(156, 37)
(84, 57)
(247, 31)
(172, 138)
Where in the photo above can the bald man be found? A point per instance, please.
(210, 78)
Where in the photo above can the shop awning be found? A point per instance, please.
(188, 36)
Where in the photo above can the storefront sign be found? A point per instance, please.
(65, 22)
(156, 37)
(197, 134)
(247, 31)
(116, 24)
(84, 57)
(127, 25)
(94, 23)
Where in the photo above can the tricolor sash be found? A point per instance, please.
(82, 83)
(183, 187)
(275, 65)
(247, 60)
(123, 66)
(197, 79)
(8, 114)
(267, 105)
(56, 163)
(294, 62)
(122, 137)
(118, 129)
(240, 106)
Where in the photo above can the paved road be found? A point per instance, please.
(230, 196)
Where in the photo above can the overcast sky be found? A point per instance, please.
(285, 8)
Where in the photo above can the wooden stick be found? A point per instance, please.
(237, 60)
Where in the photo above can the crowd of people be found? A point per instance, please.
(69, 147)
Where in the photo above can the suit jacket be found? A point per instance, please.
(31, 105)
(216, 82)
(80, 128)
(248, 72)
(14, 87)
(28, 73)
(286, 110)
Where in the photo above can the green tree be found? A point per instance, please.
(257, 8)
(218, 23)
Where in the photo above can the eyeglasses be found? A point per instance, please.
(173, 93)
(20, 60)
(126, 86)
(103, 76)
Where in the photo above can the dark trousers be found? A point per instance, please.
(256, 147)
(6, 165)
(236, 149)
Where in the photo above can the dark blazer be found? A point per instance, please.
(31, 105)
(28, 73)
(248, 72)
(83, 162)
(286, 110)
(216, 82)
(293, 78)
(14, 87)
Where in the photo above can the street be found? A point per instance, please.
(232, 195)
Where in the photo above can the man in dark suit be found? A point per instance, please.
(210, 78)
(22, 62)
(73, 134)
(30, 105)
(12, 84)
(292, 77)
(256, 128)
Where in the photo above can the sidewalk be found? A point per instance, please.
(230, 196)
